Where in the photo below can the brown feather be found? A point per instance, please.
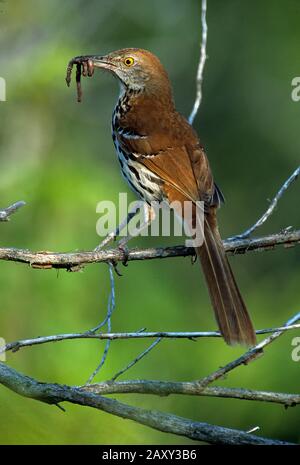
(230, 310)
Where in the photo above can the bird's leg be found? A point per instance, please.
(114, 234)
(148, 217)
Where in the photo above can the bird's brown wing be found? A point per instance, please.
(186, 175)
(183, 168)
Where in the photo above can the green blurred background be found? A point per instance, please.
(58, 156)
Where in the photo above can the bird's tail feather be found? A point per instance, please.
(229, 307)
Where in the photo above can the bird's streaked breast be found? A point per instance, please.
(141, 180)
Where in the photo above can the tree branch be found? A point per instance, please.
(56, 393)
(201, 65)
(15, 346)
(6, 212)
(74, 260)
(191, 388)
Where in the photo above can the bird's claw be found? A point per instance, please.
(115, 265)
(194, 258)
(124, 249)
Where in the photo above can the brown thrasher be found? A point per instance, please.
(162, 159)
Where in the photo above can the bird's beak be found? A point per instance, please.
(97, 61)
(101, 62)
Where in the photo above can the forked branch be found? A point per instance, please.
(56, 393)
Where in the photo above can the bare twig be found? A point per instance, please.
(110, 308)
(6, 212)
(56, 393)
(271, 208)
(110, 305)
(137, 359)
(15, 346)
(201, 65)
(247, 357)
(74, 260)
(190, 388)
(254, 429)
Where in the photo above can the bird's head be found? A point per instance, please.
(136, 69)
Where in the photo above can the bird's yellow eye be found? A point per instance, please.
(128, 61)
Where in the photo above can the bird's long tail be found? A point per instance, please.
(230, 310)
